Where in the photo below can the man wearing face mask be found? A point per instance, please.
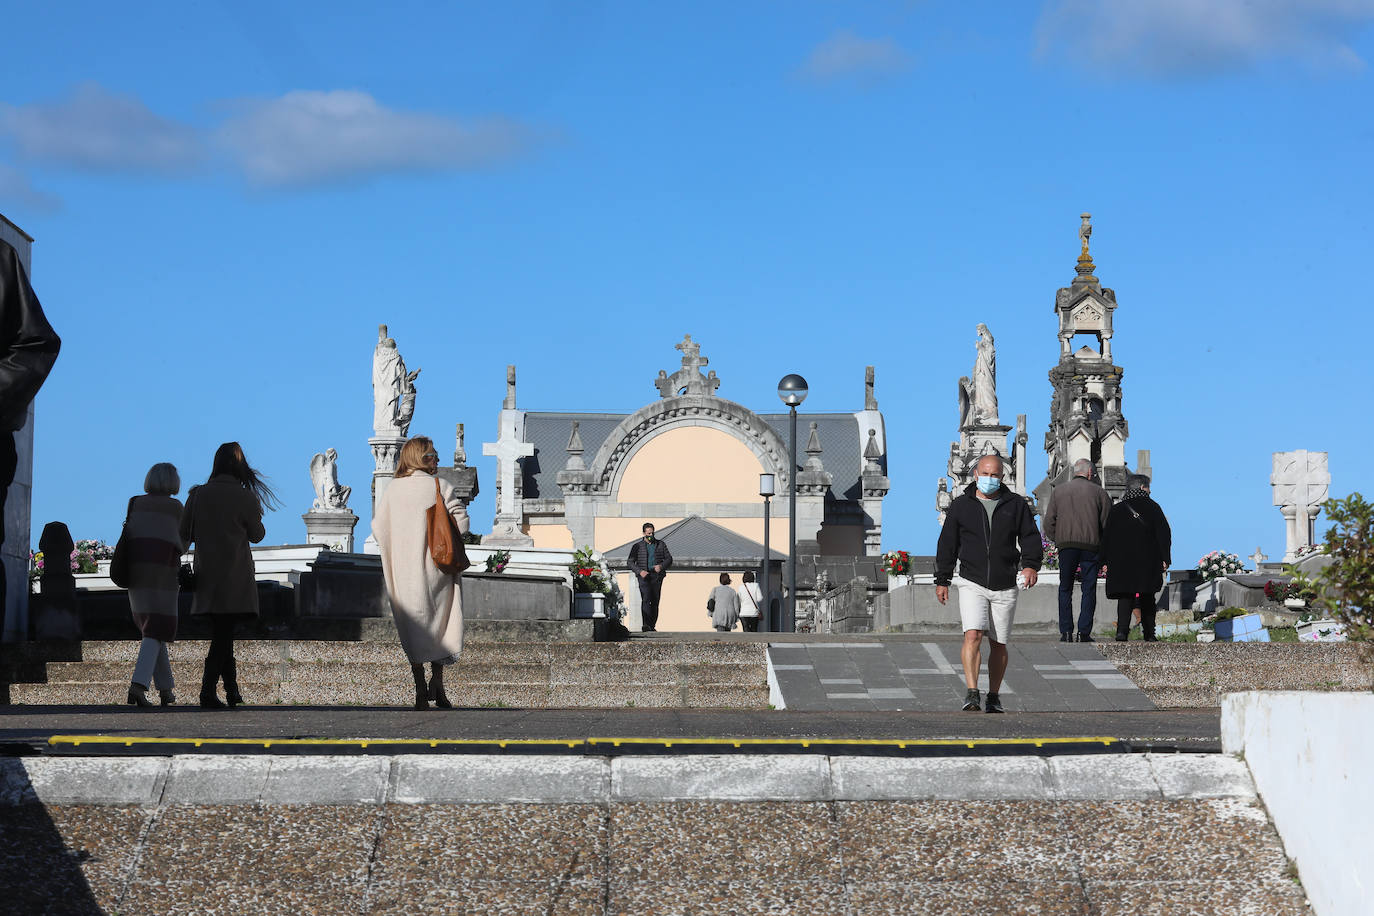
(649, 560)
(991, 532)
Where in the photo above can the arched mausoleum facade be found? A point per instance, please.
(595, 478)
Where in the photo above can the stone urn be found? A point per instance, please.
(589, 606)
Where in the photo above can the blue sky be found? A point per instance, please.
(228, 198)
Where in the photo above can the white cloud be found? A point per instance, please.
(15, 189)
(1186, 37)
(311, 137)
(98, 131)
(845, 55)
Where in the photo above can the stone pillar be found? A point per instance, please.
(332, 528)
(874, 486)
(508, 449)
(385, 451)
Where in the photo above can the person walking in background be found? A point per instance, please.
(426, 601)
(152, 533)
(28, 349)
(991, 532)
(650, 560)
(223, 517)
(723, 605)
(1074, 520)
(1136, 545)
(750, 602)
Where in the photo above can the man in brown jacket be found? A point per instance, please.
(1074, 520)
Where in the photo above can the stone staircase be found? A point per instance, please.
(1195, 675)
(518, 674)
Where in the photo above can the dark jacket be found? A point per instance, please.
(1077, 513)
(1136, 547)
(639, 557)
(28, 344)
(988, 555)
(223, 516)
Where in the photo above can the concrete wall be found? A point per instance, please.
(913, 608)
(1309, 755)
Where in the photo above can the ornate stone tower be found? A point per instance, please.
(1085, 410)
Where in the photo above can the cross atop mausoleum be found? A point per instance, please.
(688, 380)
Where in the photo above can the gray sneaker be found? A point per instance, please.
(994, 703)
(972, 700)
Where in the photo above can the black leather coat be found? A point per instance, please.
(28, 344)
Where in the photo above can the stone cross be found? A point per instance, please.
(691, 354)
(507, 450)
(1258, 557)
(870, 398)
(1301, 482)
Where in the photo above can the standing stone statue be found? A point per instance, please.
(1085, 231)
(984, 408)
(324, 474)
(393, 389)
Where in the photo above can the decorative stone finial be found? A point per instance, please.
(575, 449)
(460, 454)
(813, 449)
(870, 399)
(688, 380)
(509, 402)
(1085, 261)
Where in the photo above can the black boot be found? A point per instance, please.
(209, 678)
(421, 688)
(231, 683)
(436, 686)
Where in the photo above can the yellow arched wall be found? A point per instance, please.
(691, 464)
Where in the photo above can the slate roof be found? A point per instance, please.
(841, 440)
(696, 538)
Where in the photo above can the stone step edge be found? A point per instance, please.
(489, 779)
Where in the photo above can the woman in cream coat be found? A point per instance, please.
(427, 603)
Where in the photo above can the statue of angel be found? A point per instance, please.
(324, 474)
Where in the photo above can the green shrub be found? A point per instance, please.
(1347, 585)
(1228, 613)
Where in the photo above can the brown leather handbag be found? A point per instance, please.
(445, 543)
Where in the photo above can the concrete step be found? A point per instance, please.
(317, 672)
(400, 692)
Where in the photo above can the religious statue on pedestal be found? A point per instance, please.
(324, 475)
(393, 389)
(984, 394)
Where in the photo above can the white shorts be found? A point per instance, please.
(986, 609)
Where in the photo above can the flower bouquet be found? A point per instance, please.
(1051, 560)
(498, 560)
(897, 563)
(1219, 563)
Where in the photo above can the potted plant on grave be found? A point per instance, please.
(897, 565)
(590, 584)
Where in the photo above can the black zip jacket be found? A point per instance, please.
(639, 556)
(988, 555)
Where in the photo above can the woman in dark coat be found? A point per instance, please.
(152, 536)
(1136, 549)
(223, 517)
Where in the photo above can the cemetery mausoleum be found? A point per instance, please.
(689, 456)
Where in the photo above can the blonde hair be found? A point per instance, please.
(162, 480)
(412, 455)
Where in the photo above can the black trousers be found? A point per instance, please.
(650, 588)
(750, 624)
(1147, 614)
(219, 661)
(9, 463)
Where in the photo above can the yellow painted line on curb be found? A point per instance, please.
(78, 740)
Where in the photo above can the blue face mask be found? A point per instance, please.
(989, 485)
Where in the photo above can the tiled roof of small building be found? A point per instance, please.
(696, 538)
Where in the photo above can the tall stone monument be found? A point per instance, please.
(509, 449)
(981, 431)
(393, 405)
(1301, 484)
(1086, 420)
(329, 522)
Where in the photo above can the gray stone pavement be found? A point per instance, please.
(803, 835)
(926, 674)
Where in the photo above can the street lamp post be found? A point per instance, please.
(766, 489)
(792, 390)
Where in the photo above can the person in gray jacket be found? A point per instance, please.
(723, 605)
(1074, 520)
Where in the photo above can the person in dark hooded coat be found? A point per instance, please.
(28, 349)
(1136, 548)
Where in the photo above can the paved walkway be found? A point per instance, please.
(927, 675)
